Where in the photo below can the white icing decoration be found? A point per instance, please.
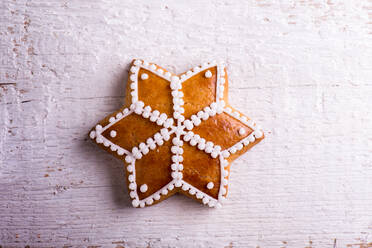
(192, 191)
(113, 133)
(258, 134)
(199, 195)
(196, 69)
(143, 188)
(241, 131)
(157, 197)
(185, 187)
(144, 76)
(178, 183)
(210, 185)
(92, 134)
(180, 127)
(208, 74)
(135, 203)
(168, 74)
(132, 186)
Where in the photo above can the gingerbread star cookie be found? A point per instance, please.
(177, 133)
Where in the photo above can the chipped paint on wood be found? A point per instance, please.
(301, 68)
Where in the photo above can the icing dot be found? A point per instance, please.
(99, 140)
(92, 134)
(98, 127)
(225, 154)
(239, 146)
(178, 183)
(258, 134)
(128, 159)
(135, 203)
(233, 150)
(144, 76)
(120, 151)
(174, 174)
(132, 186)
(185, 187)
(196, 69)
(132, 194)
(130, 168)
(199, 195)
(188, 124)
(113, 133)
(175, 78)
(210, 185)
(143, 188)
(134, 69)
(157, 197)
(133, 77)
(170, 186)
(167, 74)
(241, 131)
(208, 74)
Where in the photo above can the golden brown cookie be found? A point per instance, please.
(177, 133)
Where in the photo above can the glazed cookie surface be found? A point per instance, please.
(177, 133)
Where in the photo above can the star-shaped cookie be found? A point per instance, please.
(177, 133)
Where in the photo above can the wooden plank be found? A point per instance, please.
(300, 68)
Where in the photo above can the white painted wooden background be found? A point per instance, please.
(303, 69)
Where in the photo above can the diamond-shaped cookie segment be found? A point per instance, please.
(131, 131)
(200, 169)
(154, 91)
(199, 91)
(229, 129)
(154, 170)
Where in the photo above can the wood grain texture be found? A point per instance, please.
(303, 69)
